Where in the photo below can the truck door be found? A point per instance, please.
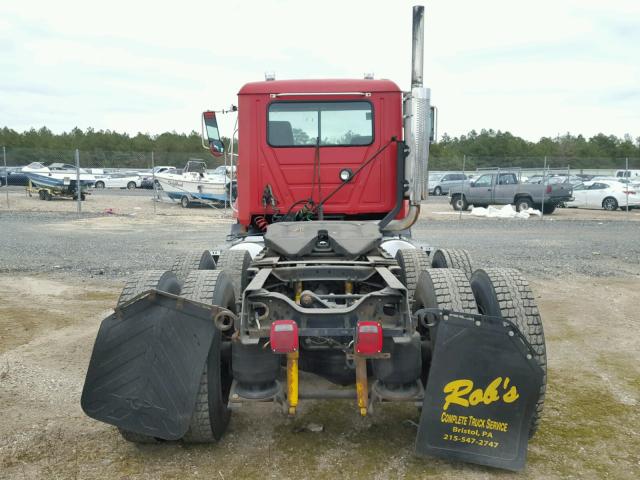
(505, 188)
(480, 193)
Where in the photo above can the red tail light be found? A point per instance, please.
(629, 192)
(284, 336)
(548, 188)
(368, 338)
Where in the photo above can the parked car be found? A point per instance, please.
(606, 194)
(633, 175)
(434, 178)
(552, 179)
(442, 183)
(610, 178)
(585, 177)
(503, 188)
(119, 180)
(147, 177)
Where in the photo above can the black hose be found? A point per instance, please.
(358, 170)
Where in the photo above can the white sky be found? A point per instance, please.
(534, 68)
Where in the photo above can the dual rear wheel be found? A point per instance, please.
(451, 284)
(197, 276)
(205, 284)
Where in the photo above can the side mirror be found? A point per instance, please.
(211, 134)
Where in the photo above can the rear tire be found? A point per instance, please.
(184, 264)
(131, 186)
(444, 288)
(99, 185)
(459, 203)
(437, 191)
(503, 292)
(210, 417)
(136, 284)
(412, 262)
(523, 204)
(440, 288)
(140, 282)
(42, 194)
(452, 258)
(547, 208)
(235, 263)
(184, 201)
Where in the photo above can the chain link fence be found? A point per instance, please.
(599, 165)
(101, 171)
(135, 170)
(460, 181)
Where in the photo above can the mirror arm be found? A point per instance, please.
(203, 132)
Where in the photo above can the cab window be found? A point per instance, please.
(306, 124)
(483, 181)
(454, 176)
(507, 179)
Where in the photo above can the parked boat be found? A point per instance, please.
(56, 176)
(196, 185)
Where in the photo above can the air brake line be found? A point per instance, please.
(310, 202)
(316, 174)
(358, 170)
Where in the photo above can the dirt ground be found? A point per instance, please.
(589, 428)
(48, 322)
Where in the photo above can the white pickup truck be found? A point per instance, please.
(503, 188)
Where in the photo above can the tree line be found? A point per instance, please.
(105, 148)
(489, 148)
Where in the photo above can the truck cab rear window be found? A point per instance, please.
(306, 124)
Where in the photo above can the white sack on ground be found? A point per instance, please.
(507, 211)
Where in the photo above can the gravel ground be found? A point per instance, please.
(60, 275)
(584, 242)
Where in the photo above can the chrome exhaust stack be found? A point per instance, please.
(417, 123)
(417, 128)
(417, 47)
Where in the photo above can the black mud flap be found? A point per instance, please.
(481, 394)
(146, 364)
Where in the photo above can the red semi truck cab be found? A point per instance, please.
(300, 139)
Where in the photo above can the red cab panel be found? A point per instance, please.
(297, 136)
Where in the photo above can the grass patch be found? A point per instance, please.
(99, 296)
(585, 428)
